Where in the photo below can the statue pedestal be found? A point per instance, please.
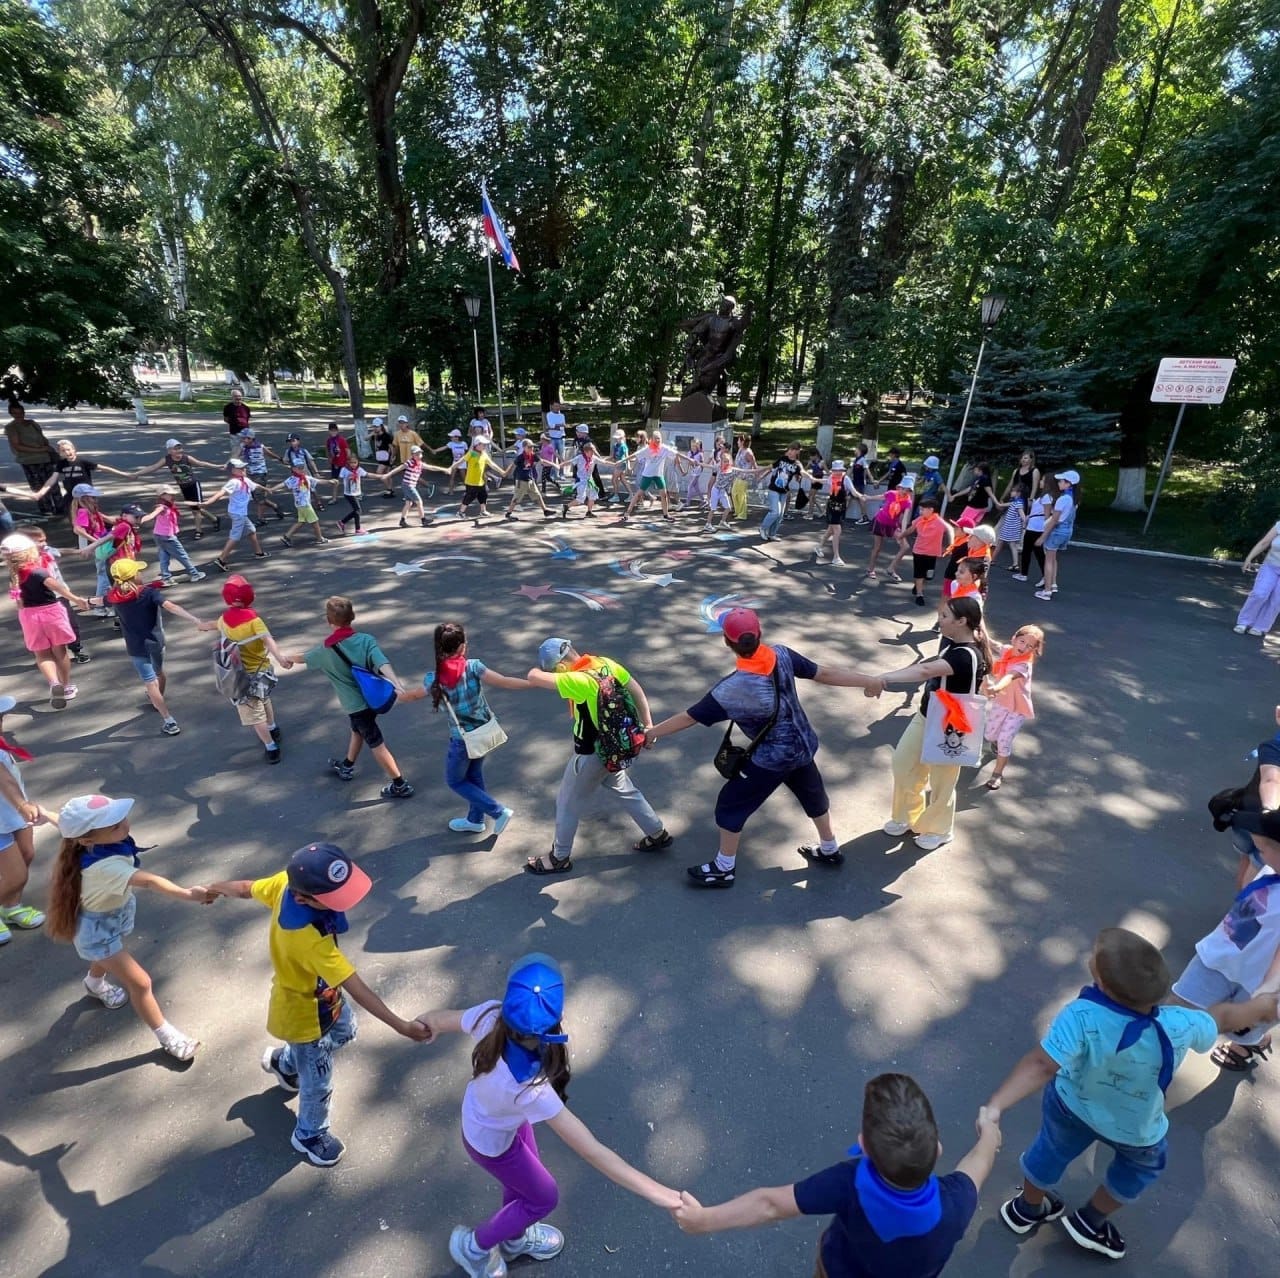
(696, 416)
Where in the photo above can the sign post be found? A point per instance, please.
(1183, 382)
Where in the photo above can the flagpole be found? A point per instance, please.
(497, 360)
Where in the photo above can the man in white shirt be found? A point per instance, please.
(651, 463)
(555, 428)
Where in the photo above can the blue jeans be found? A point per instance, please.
(1243, 842)
(172, 548)
(777, 504)
(1063, 1138)
(465, 776)
(313, 1064)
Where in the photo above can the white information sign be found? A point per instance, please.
(1192, 381)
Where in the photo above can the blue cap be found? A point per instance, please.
(326, 872)
(534, 1001)
(551, 653)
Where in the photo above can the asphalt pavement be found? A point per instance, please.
(720, 1039)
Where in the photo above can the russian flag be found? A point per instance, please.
(496, 236)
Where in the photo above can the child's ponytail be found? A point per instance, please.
(64, 892)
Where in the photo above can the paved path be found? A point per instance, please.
(720, 1040)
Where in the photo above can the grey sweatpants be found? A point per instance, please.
(583, 775)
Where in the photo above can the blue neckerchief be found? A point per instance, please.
(1138, 1023)
(100, 851)
(1258, 885)
(895, 1213)
(524, 1064)
(295, 916)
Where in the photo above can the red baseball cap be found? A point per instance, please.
(237, 591)
(739, 622)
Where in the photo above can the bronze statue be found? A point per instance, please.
(713, 339)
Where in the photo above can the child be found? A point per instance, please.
(525, 487)
(520, 1076)
(475, 466)
(138, 610)
(720, 499)
(166, 516)
(970, 579)
(932, 539)
(45, 629)
(351, 475)
(18, 817)
(1105, 1066)
(92, 903)
(303, 489)
(840, 489)
(979, 498)
(894, 472)
(893, 1218)
(621, 458)
(969, 543)
(585, 492)
(411, 477)
(457, 450)
(1009, 686)
(860, 473)
(48, 561)
(549, 462)
(308, 901)
(1241, 956)
(255, 454)
(240, 625)
(239, 492)
(891, 521)
(1012, 525)
(336, 663)
(337, 450)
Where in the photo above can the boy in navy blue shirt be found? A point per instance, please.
(892, 1217)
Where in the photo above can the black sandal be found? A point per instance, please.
(816, 856)
(1240, 1060)
(653, 842)
(552, 865)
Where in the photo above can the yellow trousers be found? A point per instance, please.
(739, 493)
(911, 779)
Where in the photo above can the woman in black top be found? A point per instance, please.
(1028, 475)
(962, 662)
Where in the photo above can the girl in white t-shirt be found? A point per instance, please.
(520, 1076)
(1241, 956)
(91, 903)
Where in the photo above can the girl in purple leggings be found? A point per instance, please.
(520, 1075)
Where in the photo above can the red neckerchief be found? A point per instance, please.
(12, 748)
(341, 633)
(451, 670)
(237, 616)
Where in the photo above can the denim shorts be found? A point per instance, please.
(150, 666)
(1057, 539)
(240, 525)
(1063, 1138)
(101, 934)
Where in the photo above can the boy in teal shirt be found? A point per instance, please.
(1105, 1066)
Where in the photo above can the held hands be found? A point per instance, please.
(203, 895)
(873, 689)
(988, 1120)
(417, 1031)
(688, 1213)
(430, 1021)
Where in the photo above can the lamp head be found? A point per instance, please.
(992, 309)
(472, 303)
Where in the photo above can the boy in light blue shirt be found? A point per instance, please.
(1105, 1066)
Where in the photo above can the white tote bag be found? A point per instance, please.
(953, 732)
(478, 741)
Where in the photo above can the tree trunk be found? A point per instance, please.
(1131, 488)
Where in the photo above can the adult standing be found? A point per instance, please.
(235, 412)
(760, 697)
(576, 677)
(960, 666)
(784, 479)
(1027, 474)
(1057, 531)
(33, 452)
(181, 467)
(1263, 604)
(555, 429)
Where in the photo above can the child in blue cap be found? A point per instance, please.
(308, 901)
(520, 1076)
(891, 1216)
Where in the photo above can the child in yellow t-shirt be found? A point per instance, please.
(475, 465)
(308, 901)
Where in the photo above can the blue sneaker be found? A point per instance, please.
(502, 820)
(271, 1063)
(322, 1150)
(538, 1242)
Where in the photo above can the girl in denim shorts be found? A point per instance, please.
(91, 903)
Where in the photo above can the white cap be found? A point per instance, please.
(455, 434)
(378, 421)
(401, 418)
(173, 443)
(837, 465)
(237, 463)
(91, 812)
(983, 533)
(1071, 476)
(907, 481)
(932, 462)
(17, 543)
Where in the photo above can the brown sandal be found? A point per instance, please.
(653, 842)
(552, 865)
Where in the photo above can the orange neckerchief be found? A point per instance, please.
(954, 715)
(582, 663)
(761, 662)
(963, 592)
(1010, 658)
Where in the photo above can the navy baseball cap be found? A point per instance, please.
(133, 509)
(325, 871)
(534, 1001)
(551, 652)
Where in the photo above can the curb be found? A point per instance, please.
(1159, 554)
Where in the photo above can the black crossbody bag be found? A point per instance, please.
(730, 758)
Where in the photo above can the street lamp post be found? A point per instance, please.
(472, 303)
(992, 308)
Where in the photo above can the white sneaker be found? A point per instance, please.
(1045, 595)
(502, 820)
(538, 1242)
(180, 1046)
(896, 829)
(1239, 630)
(460, 825)
(471, 1260)
(110, 995)
(931, 842)
(1257, 634)
(837, 562)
